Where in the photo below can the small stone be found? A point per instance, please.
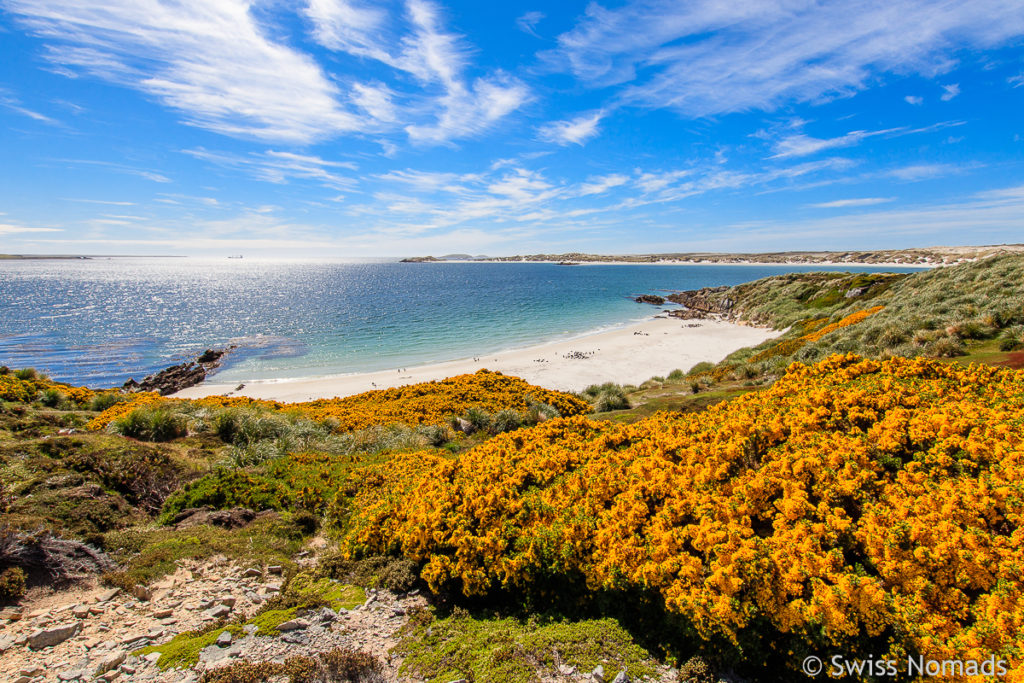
(31, 670)
(142, 593)
(5, 644)
(218, 611)
(72, 675)
(621, 677)
(11, 614)
(110, 675)
(128, 669)
(272, 588)
(293, 625)
(252, 572)
(598, 674)
(229, 601)
(398, 612)
(275, 569)
(163, 613)
(151, 657)
(109, 663)
(155, 633)
(96, 610)
(48, 637)
(107, 595)
(566, 670)
(23, 679)
(80, 611)
(224, 639)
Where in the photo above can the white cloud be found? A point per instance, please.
(708, 57)
(8, 229)
(12, 103)
(1016, 81)
(603, 184)
(436, 58)
(278, 167)
(923, 171)
(847, 203)
(951, 91)
(572, 131)
(208, 59)
(915, 100)
(527, 23)
(802, 145)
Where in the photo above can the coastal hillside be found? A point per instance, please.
(971, 311)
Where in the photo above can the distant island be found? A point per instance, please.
(928, 256)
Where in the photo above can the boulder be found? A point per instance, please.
(48, 637)
(652, 299)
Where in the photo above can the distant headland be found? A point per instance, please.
(926, 256)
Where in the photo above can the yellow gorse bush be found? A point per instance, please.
(790, 346)
(414, 404)
(854, 503)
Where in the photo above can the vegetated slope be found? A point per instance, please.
(945, 312)
(424, 403)
(855, 507)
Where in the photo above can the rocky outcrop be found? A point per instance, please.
(181, 376)
(653, 299)
(701, 303)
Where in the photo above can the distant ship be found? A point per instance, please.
(239, 256)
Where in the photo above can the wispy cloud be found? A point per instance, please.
(852, 203)
(802, 145)
(951, 91)
(707, 57)
(278, 167)
(527, 23)
(10, 228)
(9, 101)
(917, 172)
(572, 131)
(915, 100)
(603, 184)
(208, 59)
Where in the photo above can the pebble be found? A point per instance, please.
(224, 639)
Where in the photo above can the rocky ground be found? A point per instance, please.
(90, 632)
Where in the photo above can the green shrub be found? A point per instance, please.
(479, 418)
(505, 421)
(611, 398)
(150, 424)
(702, 367)
(101, 402)
(1012, 339)
(54, 398)
(946, 347)
(676, 374)
(225, 489)
(12, 584)
(27, 374)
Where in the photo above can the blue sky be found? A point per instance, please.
(355, 128)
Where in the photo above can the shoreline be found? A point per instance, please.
(824, 264)
(625, 355)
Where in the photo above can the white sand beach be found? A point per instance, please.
(627, 355)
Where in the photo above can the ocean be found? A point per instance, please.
(97, 322)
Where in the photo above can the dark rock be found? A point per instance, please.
(181, 376)
(653, 299)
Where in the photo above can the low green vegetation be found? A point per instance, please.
(510, 650)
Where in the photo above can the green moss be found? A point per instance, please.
(507, 650)
(182, 651)
(267, 622)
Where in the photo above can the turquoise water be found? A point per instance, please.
(99, 322)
